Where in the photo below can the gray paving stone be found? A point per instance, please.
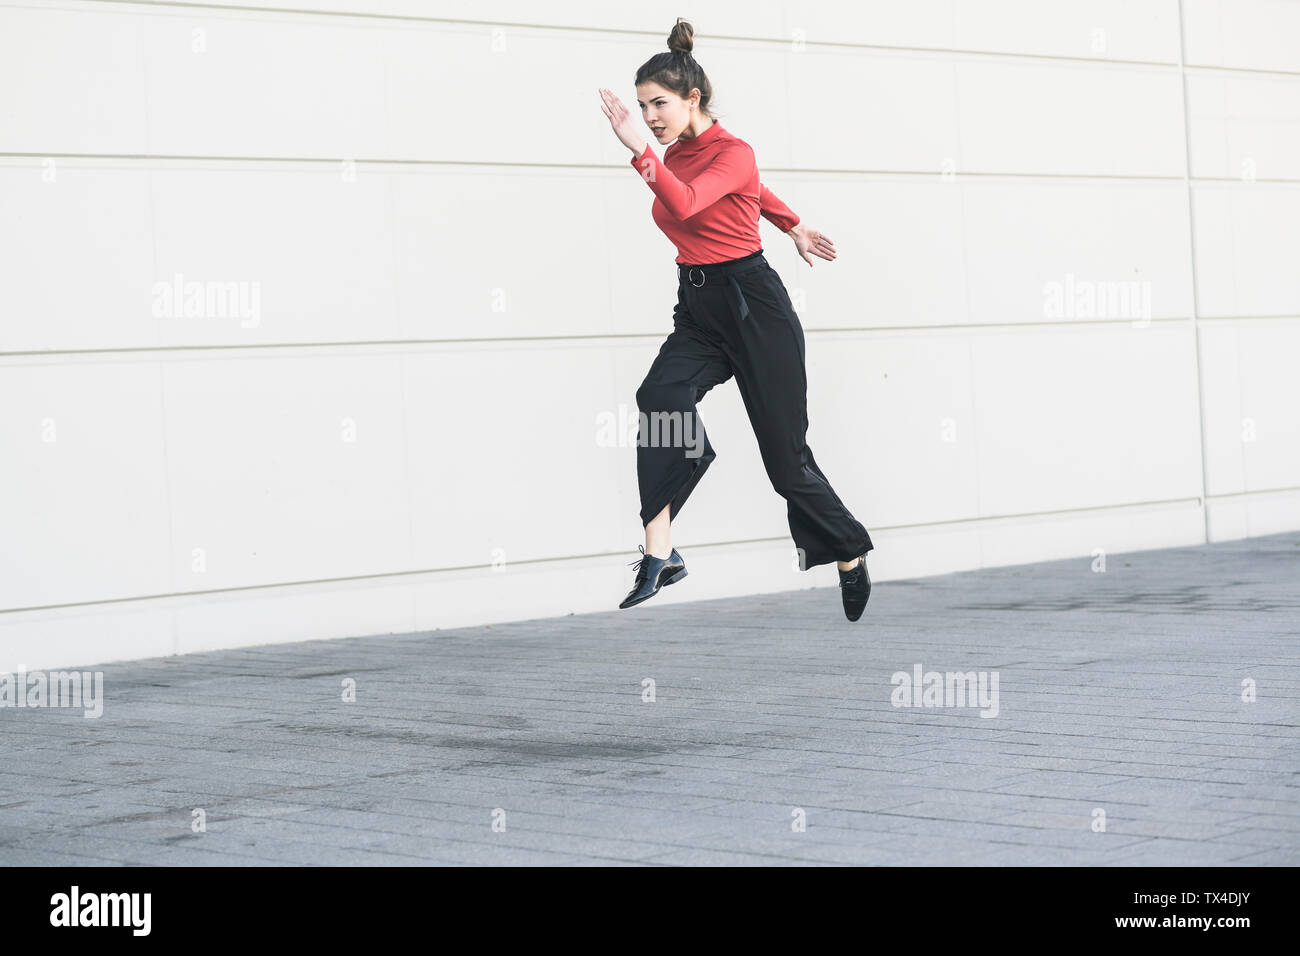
(1275, 857)
(1164, 852)
(1119, 691)
(1255, 839)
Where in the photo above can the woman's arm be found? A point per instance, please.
(729, 171)
(775, 211)
(783, 217)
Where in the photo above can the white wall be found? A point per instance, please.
(483, 280)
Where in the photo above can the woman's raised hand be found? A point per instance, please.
(621, 121)
(810, 240)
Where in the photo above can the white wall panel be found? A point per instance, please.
(1250, 516)
(1247, 249)
(1047, 251)
(1085, 418)
(495, 253)
(1141, 30)
(286, 469)
(1080, 534)
(308, 256)
(1270, 403)
(77, 257)
(1069, 119)
(94, 634)
(452, 96)
(1214, 246)
(83, 490)
(505, 453)
(1252, 397)
(923, 23)
(721, 17)
(900, 259)
(1101, 29)
(311, 612)
(1243, 34)
(1244, 127)
(274, 85)
(74, 81)
(866, 124)
(890, 422)
(1225, 428)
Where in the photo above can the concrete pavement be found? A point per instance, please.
(1120, 734)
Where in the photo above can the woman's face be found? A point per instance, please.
(666, 113)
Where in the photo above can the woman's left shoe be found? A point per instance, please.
(652, 574)
(855, 589)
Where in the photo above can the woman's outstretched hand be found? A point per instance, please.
(810, 240)
(620, 119)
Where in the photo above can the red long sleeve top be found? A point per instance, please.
(708, 196)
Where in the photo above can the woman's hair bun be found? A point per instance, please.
(682, 39)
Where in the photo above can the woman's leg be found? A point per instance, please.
(673, 450)
(657, 540)
(770, 372)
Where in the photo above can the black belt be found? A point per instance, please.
(722, 272)
(700, 275)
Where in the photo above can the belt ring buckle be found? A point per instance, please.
(692, 281)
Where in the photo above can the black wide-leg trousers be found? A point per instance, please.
(736, 318)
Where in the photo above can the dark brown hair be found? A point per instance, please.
(677, 70)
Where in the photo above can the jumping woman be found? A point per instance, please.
(733, 317)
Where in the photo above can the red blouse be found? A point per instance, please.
(708, 196)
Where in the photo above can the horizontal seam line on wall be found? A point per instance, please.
(791, 170)
(598, 555)
(178, 6)
(1248, 493)
(1233, 318)
(657, 335)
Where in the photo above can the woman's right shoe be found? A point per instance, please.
(855, 589)
(653, 573)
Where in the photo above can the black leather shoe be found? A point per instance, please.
(855, 589)
(653, 573)
(675, 558)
